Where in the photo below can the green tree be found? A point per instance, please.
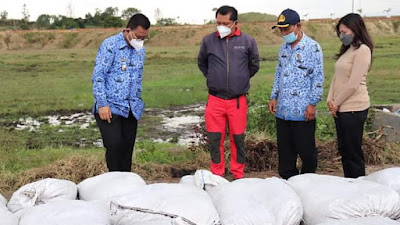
(54, 21)
(43, 21)
(110, 11)
(25, 13)
(25, 18)
(112, 21)
(109, 18)
(128, 13)
(3, 15)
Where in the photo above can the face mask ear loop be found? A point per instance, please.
(233, 24)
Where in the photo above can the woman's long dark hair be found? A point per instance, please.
(356, 24)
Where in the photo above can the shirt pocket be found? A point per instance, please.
(306, 70)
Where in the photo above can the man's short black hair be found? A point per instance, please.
(138, 20)
(225, 10)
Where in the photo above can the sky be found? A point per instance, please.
(196, 12)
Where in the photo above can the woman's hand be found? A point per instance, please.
(332, 108)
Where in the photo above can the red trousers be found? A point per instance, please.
(218, 112)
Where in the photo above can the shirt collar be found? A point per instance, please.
(236, 33)
(121, 41)
(301, 44)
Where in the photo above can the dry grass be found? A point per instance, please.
(75, 168)
(262, 156)
(79, 167)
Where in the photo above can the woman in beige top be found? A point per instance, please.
(348, 99)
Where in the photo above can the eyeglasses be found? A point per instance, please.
(140, 38)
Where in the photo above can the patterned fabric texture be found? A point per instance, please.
(117, 77)
(299, 79)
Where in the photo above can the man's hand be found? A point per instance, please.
(105, 113)
(272, 106)
(310, 113)
(332, 108)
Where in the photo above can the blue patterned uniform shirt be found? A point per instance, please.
(117, 77)
(299, 79)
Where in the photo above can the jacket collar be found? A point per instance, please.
(236, 33)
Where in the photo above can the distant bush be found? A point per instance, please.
(32, 37)
(7, 40)
(253, 17)
(42, 38)
(395, 25)
(167, 22)
(70, 40)
(24, 27)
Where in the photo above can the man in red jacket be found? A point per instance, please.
(228, 59)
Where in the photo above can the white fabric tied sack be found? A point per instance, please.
(389, 177)
(68, 212)
(6, 217)
(41, 192)
(203, 179)
(109, 185)
(3, 201)
(257, 201)
(327, 197)
(375, 220)
(164, 204)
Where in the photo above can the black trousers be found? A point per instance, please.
(119, 139)
(349, 129)
(296, 138)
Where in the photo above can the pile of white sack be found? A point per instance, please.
(123, 198)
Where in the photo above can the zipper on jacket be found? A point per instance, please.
(227, 66)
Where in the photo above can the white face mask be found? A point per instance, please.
(136, 44)
(224, 30)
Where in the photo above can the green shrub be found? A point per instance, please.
(70, 40)
(396, 25)
(259, 118)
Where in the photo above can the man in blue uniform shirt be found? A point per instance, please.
(298, 87)
(117, 91)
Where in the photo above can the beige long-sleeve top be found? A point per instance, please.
(348, 89)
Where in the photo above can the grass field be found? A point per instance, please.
(42, 82)
(37, 82)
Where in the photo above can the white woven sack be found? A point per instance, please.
(389, 177)
(68, 212)
(203, 179)
(109, 185)
(257, 201)
(166, 204)
(329, 197)
(41, 192)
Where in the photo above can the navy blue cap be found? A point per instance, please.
(286, 18)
